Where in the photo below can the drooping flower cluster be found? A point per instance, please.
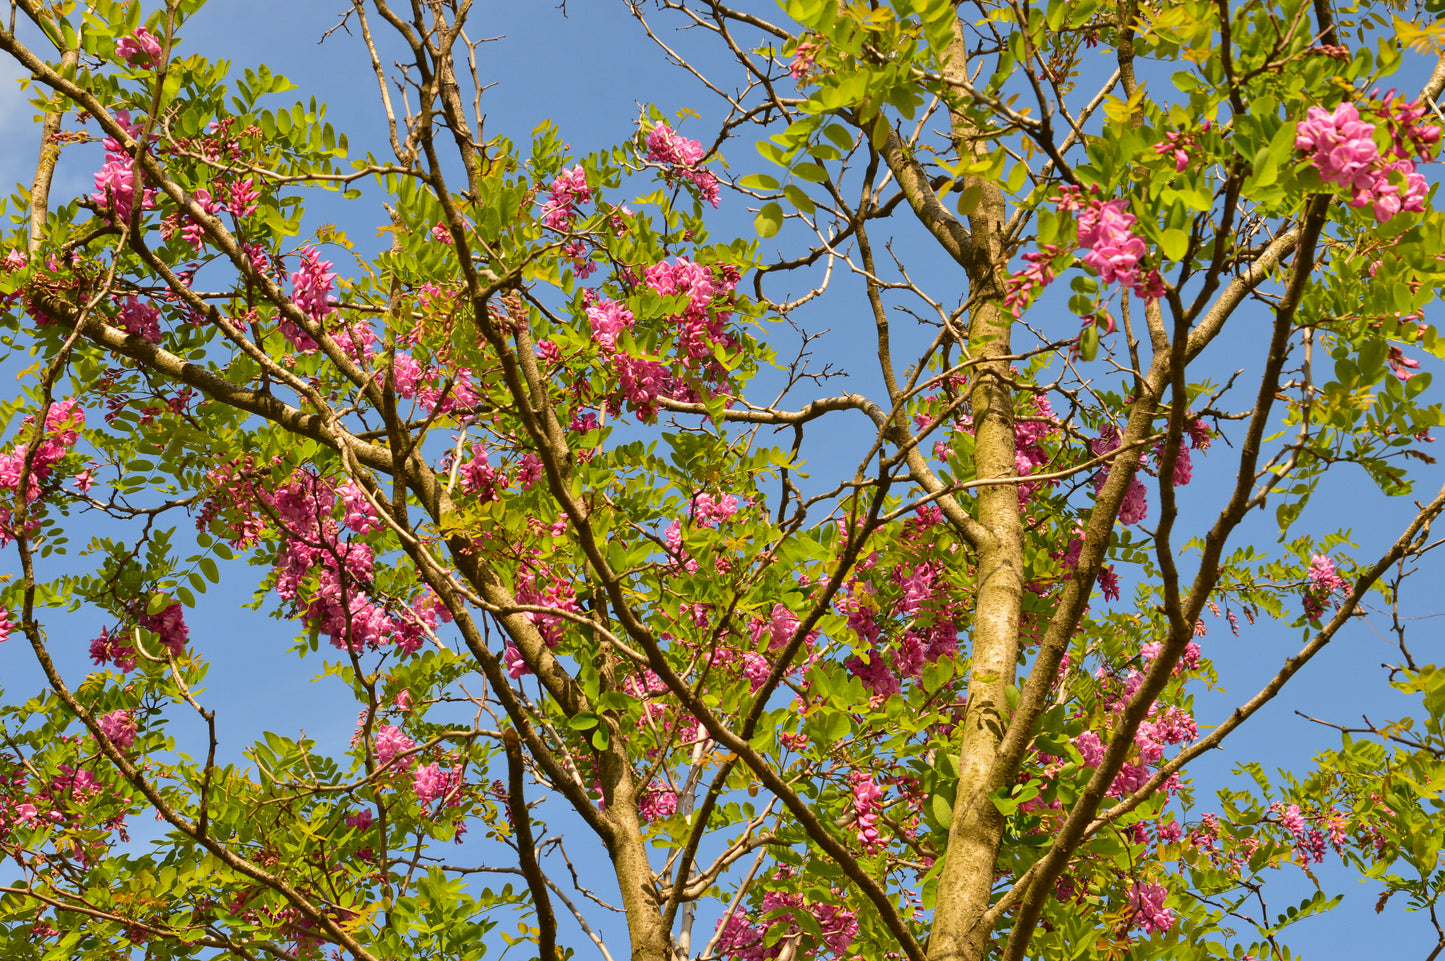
(169, 625)
(802, 63)
(701, 330)
(115, 181)
(680, 158)
(324, 577)
(1323, 583)
(1147, 900)
(741, 940)
(569, 190)
(1025, 285)
(389, 744)
(119, 727)
(1029, 452)
(1106, 230)
(311, 287)
(1342, 148)
(63, 421)
(916, 589)
(1135, 506)
(431, 782)
(142, 48)
(141, 318)
(867, 798)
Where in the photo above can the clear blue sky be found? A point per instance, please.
(589, 71)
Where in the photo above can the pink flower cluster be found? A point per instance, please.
(1177, 145)
(141, 318)
(1105, 228)
(702, 325)
(741, 940)
(423, 385)
(432, 781)
(479, 478)
(1029, 452)
(328, 579)
(803, 57)
(115, 181)
(867, 805)
(1342, 148)
(63, 421)
(390, 744)
(1025, 285)
(1323, 583)
(1135, 506)
(311, 287)
(120, 728)
(706, 295)
(921, 594)
(608, 320)
(569, 190)
(170, 626)
(680, 158)
(656, 805)
(1147, 901)
(141, 48)
(540, 588)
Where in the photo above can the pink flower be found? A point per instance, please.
(1106, 228)
(680, 156)
(141, 318)
(1147, 900)
(391, 742)
(170, 626)
(242, 197)
(657, 804)
(141, 48)
(358, 514)
(1323, 582)
(1178, 145)
(431, 782)
(516, 664)
(569, 189)
(608, 320)
(803, 60)
(312, 285)
(110, 648)
(7, 624)
(1090, 747)
(120, 728)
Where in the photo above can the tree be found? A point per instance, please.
(508, 479)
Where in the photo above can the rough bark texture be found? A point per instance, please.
(966, 882)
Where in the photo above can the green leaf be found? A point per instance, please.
(942, 809)
(1175, 243)
(758, 182)
(810, 171)
(769, 220)
(799, 199)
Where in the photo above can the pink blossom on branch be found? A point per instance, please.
(119, 727)
(680, 158)
(141, 48)
(1147, 901)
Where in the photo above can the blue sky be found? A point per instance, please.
(589, 71)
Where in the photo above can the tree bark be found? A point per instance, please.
(965, 884)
